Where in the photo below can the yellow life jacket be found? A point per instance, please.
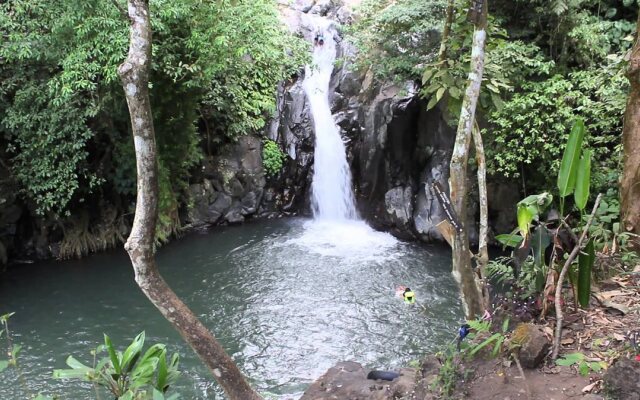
(409, 297)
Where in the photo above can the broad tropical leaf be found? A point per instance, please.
(585, 263)
(570, 159)
(583, 180)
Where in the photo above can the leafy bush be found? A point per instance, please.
(272, 158)
(397, 38)
(529, 132)
(129, 375)
(63, 112)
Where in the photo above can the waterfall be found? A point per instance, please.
(331, 186)
(336, 231)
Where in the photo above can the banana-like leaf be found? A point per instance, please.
(530, 208)
(132, 353)
(570, 158)
(115, 360)
(585, 263)
(486, 342)
(541, 239)
(78, 370)
(525, 217)
(583, 180)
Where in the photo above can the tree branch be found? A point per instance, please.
(563, 273)
(123, 12)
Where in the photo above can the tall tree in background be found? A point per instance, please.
(630, 182)
(470, 288)
(134, 74)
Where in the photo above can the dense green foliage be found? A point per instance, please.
(397, 38)
(272, 158)
(63, 118)
(545, 65)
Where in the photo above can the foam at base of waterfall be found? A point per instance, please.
(347, 239)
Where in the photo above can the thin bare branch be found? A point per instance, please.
(563, 273)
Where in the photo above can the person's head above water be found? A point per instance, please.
(407, 289)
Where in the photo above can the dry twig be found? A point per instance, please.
(563, 273)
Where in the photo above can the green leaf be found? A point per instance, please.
(16, 349)
(432, 103)
(75, 364)
(510, 240)
(161, 382)
(540, 241)
(5, 317)
(157, 395)
(42, 397)
(455, 92)
(426, 76)
(78, 371)
(70, 374)
(585, 264)
(127, 396)
(115, 360)
(498, 346)
(525, 217)
(570, 359)
(505, 325)
(595, 366)
(570, 158)
(583, 180)
(583, 368)
(132, 353)
(439, 93)
(153, 352)
(485, 343)
(3, 365)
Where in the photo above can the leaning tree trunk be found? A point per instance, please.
(462, 268)
(134, 73)
(630, 182)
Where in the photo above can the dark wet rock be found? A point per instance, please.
(534, 345)
(622, 380)
(232, 186)
(321, 7)
(399, 206)
(348, 380)
(502, 199)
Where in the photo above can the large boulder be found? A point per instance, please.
(533, 345)
(622, 380)
(348, 380)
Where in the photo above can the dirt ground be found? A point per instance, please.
(600, 332)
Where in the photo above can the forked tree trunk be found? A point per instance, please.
(462, 268)
(134, 73)
(630, 182)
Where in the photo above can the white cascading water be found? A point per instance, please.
(337, 231)
(331, 188)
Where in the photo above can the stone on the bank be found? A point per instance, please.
(348, 380)
(534, 345)
(622, 380)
